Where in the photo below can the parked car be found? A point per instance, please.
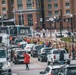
(28, 47)
(42, 54)
(18, 56)
(51, 70)
(35, 49)
(58, 55)
(68, 70)
(22, 44)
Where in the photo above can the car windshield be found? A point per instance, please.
(2, 54)
(71, 71)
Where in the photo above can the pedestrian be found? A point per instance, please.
(73, 53)
(26, 60)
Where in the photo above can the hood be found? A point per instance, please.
(2, 59)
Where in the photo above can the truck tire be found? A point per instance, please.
(41, 59)
(38, 59)
(68, 62)
(48, 63)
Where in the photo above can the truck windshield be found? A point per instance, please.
(2, 54)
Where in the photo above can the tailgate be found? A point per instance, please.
(66, 56)
(57, 57)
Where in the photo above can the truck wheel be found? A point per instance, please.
(38, 59)
(48, 63)
(68, 62)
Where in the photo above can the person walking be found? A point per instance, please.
(26, 60)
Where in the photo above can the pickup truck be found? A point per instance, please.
(58, 55)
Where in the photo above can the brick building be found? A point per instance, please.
(29, 12)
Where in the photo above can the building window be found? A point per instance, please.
(3, 2)
(29, 4)
(67, 4)
(56, 12)
(19, 4)
(56, 5)
(4, 9)
(49, 0)
(49, 6)
(30, 19)
(49, 13)
(67, 11)
(21, 19)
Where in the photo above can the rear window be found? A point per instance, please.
(46, 50)
(58, 51)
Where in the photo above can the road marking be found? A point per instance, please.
(14, 73)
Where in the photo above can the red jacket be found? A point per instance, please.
(26, 58)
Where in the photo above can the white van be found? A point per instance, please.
(4, 39)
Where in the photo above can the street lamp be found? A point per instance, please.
(71, 17)
(67, 24)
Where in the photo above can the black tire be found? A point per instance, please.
(38, 59)
(41, 60)
(68, 62)
(48, 63)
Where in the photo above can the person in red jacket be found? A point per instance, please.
(26, 60)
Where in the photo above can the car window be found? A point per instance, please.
(55, 71)
(47, 70)
(56, 52)
(71, 71)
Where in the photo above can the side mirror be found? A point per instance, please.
(41, 72)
